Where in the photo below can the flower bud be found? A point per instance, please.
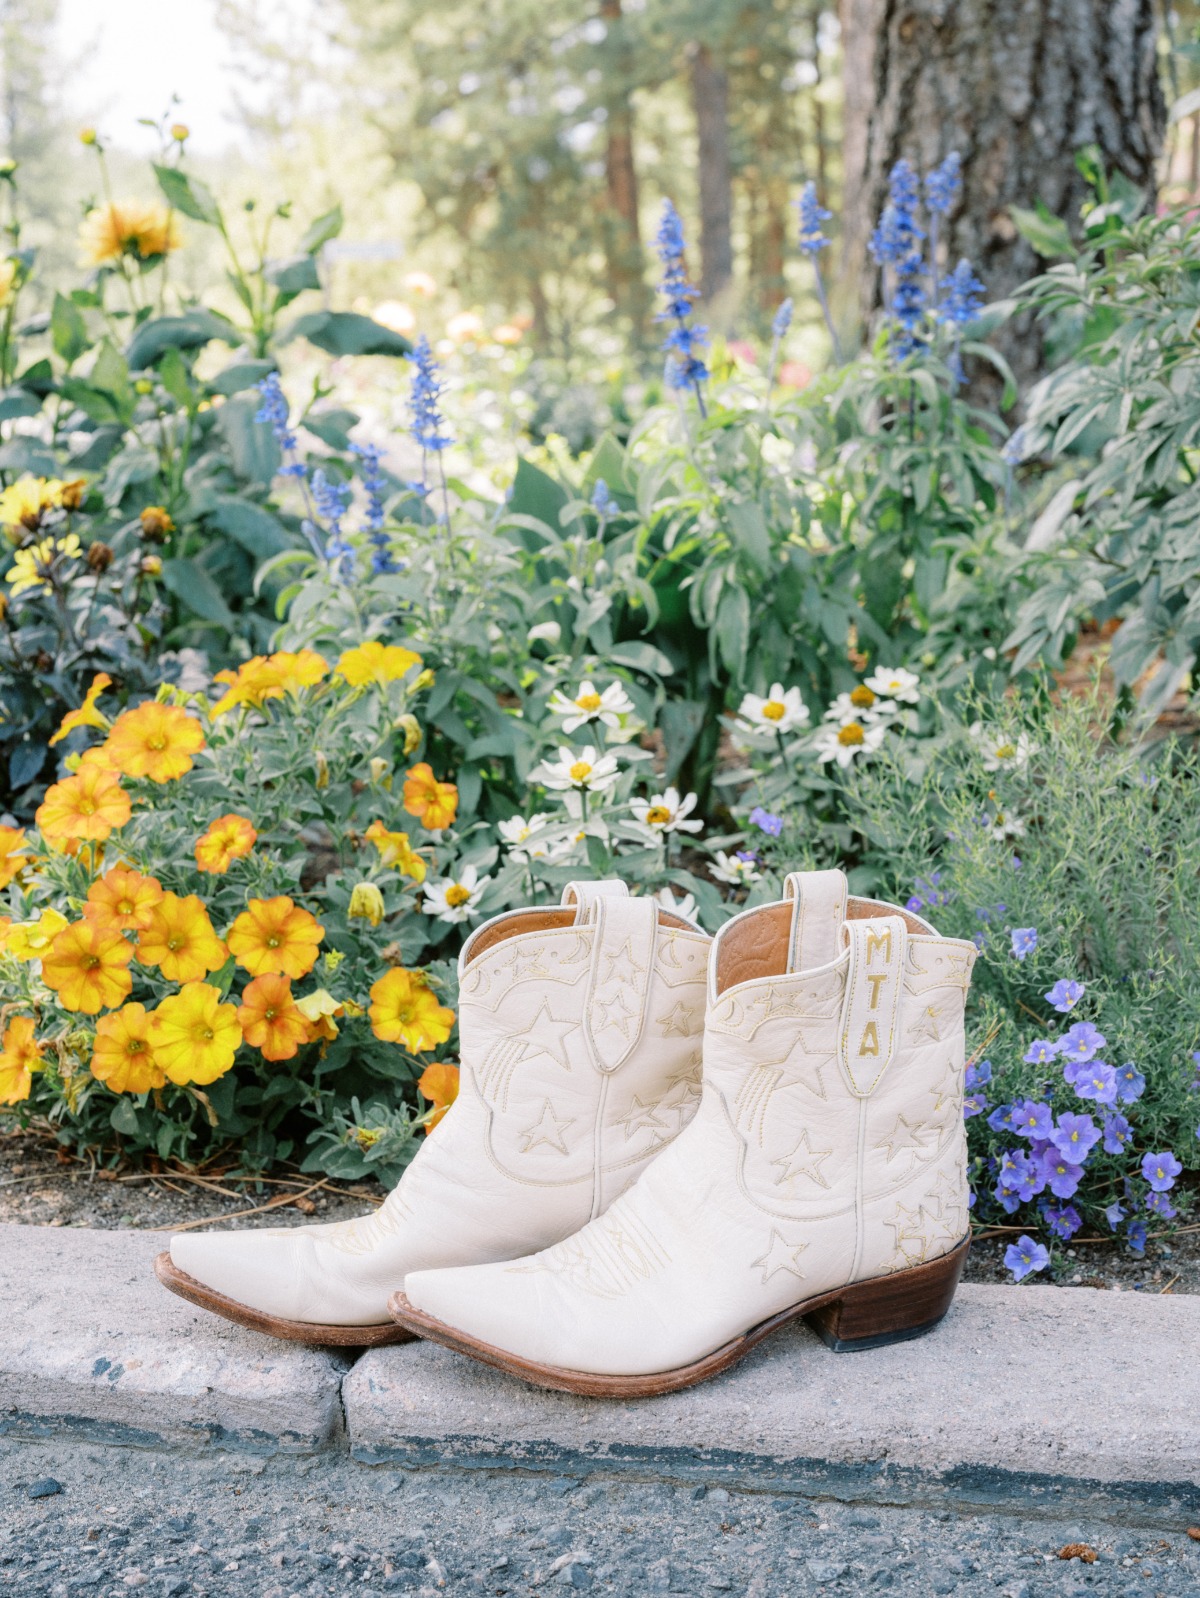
(3, 606)
(322, 769)
(548, 632)
(332, 959)
(72, 493)
(143, 386)
(151, 566)
(99, 557)
(411, 728)
(88, 136)
(425, 680)
(8, 170)
(381, 771)
(156, 523)
(366, 903)
(179, 131)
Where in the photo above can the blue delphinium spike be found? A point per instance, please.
(331, 501)
(426, 416)
(943, 183)
(813, 216)
(783, 319)
(373, 480)
(273, 411)
(685, 366)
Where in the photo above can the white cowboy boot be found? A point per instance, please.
(580, 1031)
(824, 1175)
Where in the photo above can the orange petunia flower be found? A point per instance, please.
(375, 663)
(88, 805)
(439, 1083)
(29, 940)
(87, 715)
(122, 1057)
(275, 935)
(155, 741)
(268, 677)
(180, 940)
(395, 849)
(194, 1036)
(129, 227)
(87, 966)
(228, 838)
(403, 1010)
(20, 1057)
(12, 858)
(123, 900)
(270, 1018)
(433, 803)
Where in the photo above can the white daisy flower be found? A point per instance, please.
(685, 907)
(454, 899)
(588, 705)
(1000, 751)
(524, 838)
(735, 869)
(893, 682)
(665, 812)
(860, 704)
(844, 744)
(1004, 825)
(582, 769)
(782, 710)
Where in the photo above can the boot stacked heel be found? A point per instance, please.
(890, 1309)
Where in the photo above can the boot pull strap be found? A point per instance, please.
(584, 894)
(818, 912)
(618, 984)
(868, 1036)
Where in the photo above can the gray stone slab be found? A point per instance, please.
(1024, 1393)
(92, 1344)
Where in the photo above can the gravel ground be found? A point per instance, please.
(119, 1521)
(39, 1187)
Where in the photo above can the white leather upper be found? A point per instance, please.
(828, 1148)
(580, 1062)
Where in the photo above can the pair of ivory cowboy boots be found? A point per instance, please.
(664, 1147)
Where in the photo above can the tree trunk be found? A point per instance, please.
(1016, 90)
(710, 100)
(622, 232)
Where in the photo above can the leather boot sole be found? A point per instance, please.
(871, 1314)
(312, 1332)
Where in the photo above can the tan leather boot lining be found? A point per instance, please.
(758, 946)
(547, 921)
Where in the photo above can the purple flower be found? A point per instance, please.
(1114, 1215)
(974, 1104)
(1040, 1052)
(685, 366)
(602, 501)
(783, 318)
(1063, 1220)
(1117, 1133)
(1025, 1256)
(979, 1074)
(1159, 1204)
(1135, 1236)
(1160, 1170)
(1024, 941)
(766, 822)
(1097, 1081)
(1073, 1070)
(914, 904)
(1065, 994)
(1003, 1118)
(425, 414)
(813, 216)
(1060, 1174)
(963, 296)
(1081, 1042)
(1131, 1084)
(943, 183)
(1033, 1120)
(1075, 1136)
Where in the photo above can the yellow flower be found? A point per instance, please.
(13, 860)
(376, 663)
(156, 521)
(268, 677)
(403, 1010)
(180, 940)
(24, 504)
(319, 1009)
(302, 668)
(179, 131)
(8, 280)
(439, 1083)
(275, 935)
(87, 966)
(433, 803)
(32, 567)
(123, 900)
(155, 741)
(366, 903)
(411, 728)
(194, 1036)
(87, 715)
(128, 228)
(122, 1057)
(88, 805)
(228, 838)
(29, 940)
(270, 1018)
(395, 849)
(20, 1057)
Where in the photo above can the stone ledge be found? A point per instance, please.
(92, 1345)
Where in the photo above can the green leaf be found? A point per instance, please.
(240, 375)
(252, 445)
(174, 376)
(332, 426)
(22, 454)
(123, 1118)
(17, 402)
(195, 589)
(748, 528)
(347, 333)
(188, 331)
(682, 721)
(97, 407)
(733, 631)
(68, 330)
(254, 528)
(535, 493)
(1048, 233)
(188, 194)
(321, 231)
(292, 276)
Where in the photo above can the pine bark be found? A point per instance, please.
(622, 230)
(1017, 88)
(710, 103)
